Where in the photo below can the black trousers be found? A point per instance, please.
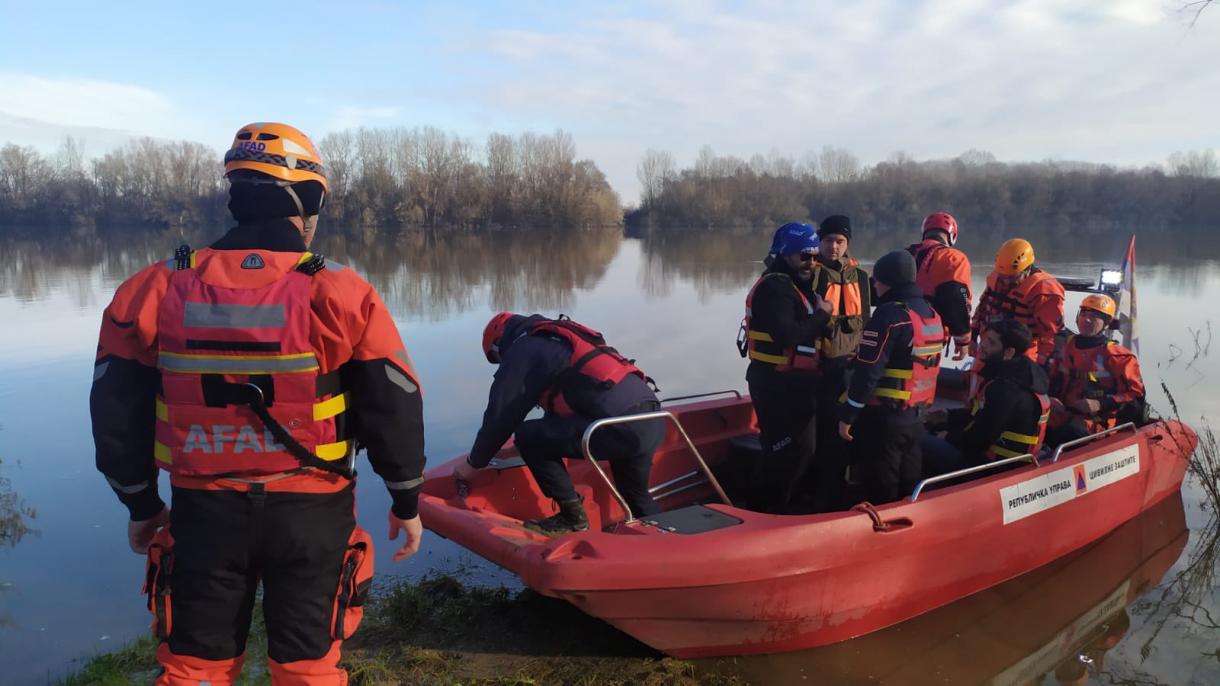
(226, 542)
(785, 407)
(543, 443)
(830, 460)
(887, 453)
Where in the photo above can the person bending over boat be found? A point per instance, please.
(846, 288)
(567, 369)
(944, 277)
(249, 370)
(1016, 289)
(893, 381)
(1007, 416)
(1096, 381)
(783, 323)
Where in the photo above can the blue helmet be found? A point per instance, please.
(794, 237)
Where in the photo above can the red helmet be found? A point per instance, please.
(941, 221)
(492, 335)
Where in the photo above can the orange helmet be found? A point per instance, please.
(1014, 257)
(1100, 303)
(277, 150)
(492, 334)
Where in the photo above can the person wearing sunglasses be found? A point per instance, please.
(783, 321)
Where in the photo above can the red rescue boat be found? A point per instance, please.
(707, 578)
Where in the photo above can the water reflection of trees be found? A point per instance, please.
(714, 262)
(15, 515)
(419, 274)
(433, 276)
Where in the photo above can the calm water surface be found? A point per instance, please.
(1135, 604)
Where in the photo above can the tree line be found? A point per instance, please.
(727, 191)
(380, 179)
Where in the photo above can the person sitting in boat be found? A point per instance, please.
(944, 277)
(783, 322)
(1096, 381)
(567, 369)
(1016, 289)
(893, 382)
(1008, 415)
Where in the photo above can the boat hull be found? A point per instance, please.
(779, 583)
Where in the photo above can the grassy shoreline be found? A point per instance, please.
(439, 631)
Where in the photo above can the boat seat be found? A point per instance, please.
(692, 519)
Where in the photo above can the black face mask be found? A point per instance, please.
(253, 202)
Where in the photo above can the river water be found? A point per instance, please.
(69, 588)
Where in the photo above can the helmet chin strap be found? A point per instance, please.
(309, 222)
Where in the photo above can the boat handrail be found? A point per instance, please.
(1027, 457)
(641, 417)
(702, 395)
(1089, 439)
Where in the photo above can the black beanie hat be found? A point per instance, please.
(254, 202)
(895, 268)
(835, 223)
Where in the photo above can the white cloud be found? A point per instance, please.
(1029, 79)
(85, 103)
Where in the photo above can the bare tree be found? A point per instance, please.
(1199, 163)
(654, 169)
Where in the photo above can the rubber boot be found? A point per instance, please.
(571, 517)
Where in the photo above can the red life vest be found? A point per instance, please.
(913, 383)
(761, 346)
(592, 364)
(222, 350)
(1027, 437)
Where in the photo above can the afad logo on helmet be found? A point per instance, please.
(256, 146)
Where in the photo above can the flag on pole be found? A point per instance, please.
(1126, 301)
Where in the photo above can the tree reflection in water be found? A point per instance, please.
(15, 515)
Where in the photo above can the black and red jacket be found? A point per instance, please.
(537, 357)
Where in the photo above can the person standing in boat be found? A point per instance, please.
(249, 370)
(784, 322)
(944, 277)
(1016, 289)
(1007, 416)
(847, 289)
(893, 381)
(567, 369)
(1096, 381)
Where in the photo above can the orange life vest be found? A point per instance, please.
(1017, 303)
(761, 346)
(1086, 375)
(846, 309)
(592, 365)
(913, 384)
(1024, 438)
(240, 390)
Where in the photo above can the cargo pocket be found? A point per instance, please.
(157, 573)
(355, 578)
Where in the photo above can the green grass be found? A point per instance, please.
(439, 632)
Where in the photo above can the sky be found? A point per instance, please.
(1116, 81)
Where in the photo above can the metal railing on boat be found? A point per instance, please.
(702, 395)
(968, 471)
(1090, 438)
(940, 478)
(642, 417)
